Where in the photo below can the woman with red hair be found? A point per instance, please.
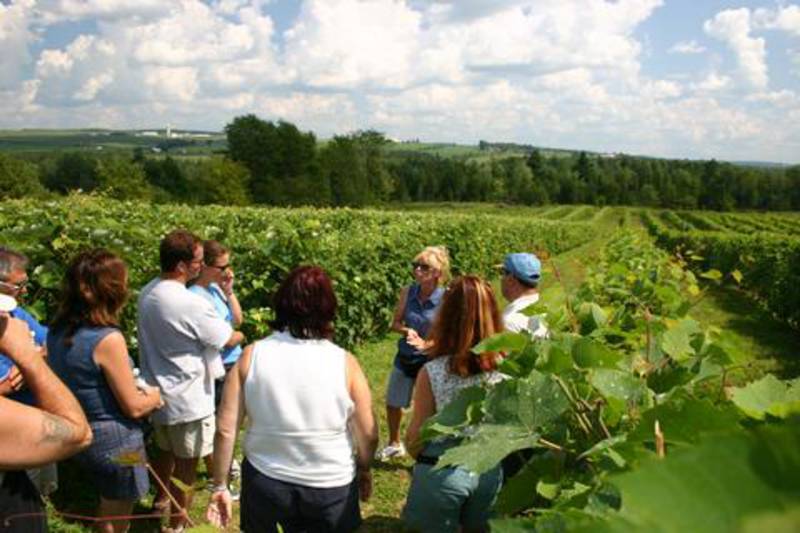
(87, 351)
(452, 498)
(310, 428)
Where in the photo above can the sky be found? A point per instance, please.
(670, 78)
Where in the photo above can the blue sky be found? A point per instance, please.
(672, 78)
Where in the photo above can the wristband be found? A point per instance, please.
(219, 488)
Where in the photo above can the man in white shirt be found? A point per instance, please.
(180, 338)
(521, 274)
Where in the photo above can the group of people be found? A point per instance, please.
(310, 433)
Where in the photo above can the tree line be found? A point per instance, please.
(275, 163)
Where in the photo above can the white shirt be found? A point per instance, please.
(298, 408)
(515, 321)
(180, 337)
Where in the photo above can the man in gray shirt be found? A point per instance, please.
(180, 338)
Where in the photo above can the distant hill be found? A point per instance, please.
(98, 139)
(203, 142)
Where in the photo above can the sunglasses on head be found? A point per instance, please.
(421, 266)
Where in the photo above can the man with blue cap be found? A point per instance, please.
(520, 286)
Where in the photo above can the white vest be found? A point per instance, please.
(298, 409)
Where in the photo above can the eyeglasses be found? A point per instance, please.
(222, 268)
(421, 266)
(16, 287)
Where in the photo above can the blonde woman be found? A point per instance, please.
(413, 316)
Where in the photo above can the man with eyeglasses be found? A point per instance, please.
(180, 340)
(14, 283)
(520, 286)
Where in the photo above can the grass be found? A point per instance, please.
(759, 342)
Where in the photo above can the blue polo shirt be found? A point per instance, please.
(6, 364)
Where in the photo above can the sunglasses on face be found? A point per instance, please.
(421, 266)
(221, 268)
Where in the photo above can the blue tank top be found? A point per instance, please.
(419, 316)
(75, 366)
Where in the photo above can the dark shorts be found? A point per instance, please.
(267, 502)
(115, 443)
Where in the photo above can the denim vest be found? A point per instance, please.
(75, 366)
(418, 316)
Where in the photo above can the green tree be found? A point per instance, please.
(123, 179)
(73, 170)
(18, 178)
(218, 181)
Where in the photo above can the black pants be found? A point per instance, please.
(21, 506)
(267, 502)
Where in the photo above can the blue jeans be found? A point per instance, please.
(448, 498)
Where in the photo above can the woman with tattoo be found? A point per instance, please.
(33, 436)
(87, 350)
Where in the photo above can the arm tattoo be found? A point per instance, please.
(56, 429)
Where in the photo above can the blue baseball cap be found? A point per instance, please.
(525, 267)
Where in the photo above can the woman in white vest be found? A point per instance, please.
(310, 430)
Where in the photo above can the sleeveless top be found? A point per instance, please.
(75, 366)
(446, 385)
(298, 408)
(418, 316)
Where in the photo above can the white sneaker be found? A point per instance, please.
(391, 451)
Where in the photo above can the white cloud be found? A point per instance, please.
(15, 38)
(784, 98)
(786, 18)
(553, 72)
(344, 43)
(713, 82)
(687, 47)
(93, 85)
(54, 11)
(734, 27)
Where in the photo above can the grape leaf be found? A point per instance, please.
(507, 342)
(591, 354)
(676, 341)
(714, 486)
(768, 396)
(618, 384)
(488, 446)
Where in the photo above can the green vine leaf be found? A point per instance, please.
(768, 396)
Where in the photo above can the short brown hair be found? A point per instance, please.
(178, 245)
(94, 290)
(305, 304)
(469, 314)
(212, 250)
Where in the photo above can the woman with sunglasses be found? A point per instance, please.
(453, 498)
(215, 284)
(413, 316)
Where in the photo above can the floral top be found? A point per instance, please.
(446, 385)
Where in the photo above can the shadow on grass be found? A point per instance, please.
(766, 336)
(380, 523)
(392, 466)
(76, 496)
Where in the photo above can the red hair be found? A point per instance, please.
(95, 289)
(469, 314)
(305, 304)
